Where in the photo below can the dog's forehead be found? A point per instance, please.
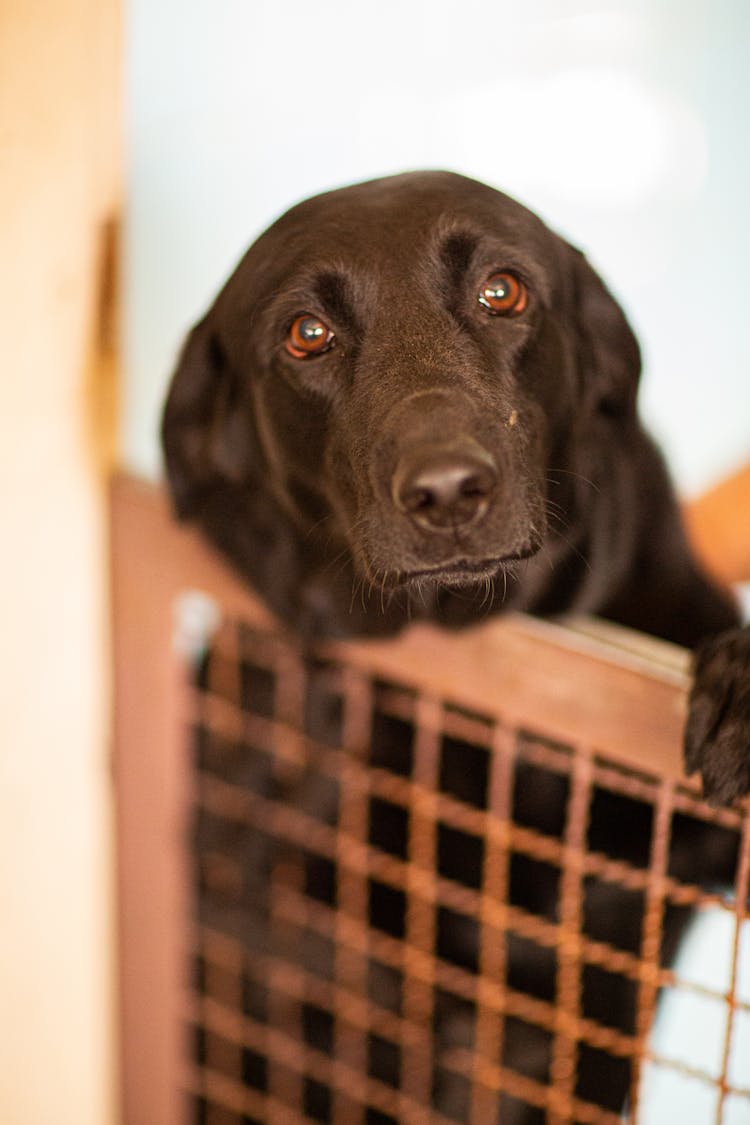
(376, 220)
(393, 233)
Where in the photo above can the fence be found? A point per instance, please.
(437, 879)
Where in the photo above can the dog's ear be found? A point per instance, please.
(609, 355)
(205, 430)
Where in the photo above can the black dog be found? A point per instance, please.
(412, 399)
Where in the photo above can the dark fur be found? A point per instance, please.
(289, 465)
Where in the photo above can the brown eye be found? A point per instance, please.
(308, 336)
(504, 294)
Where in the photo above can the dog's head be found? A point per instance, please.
(394, 374)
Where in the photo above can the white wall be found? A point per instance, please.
(624, 123)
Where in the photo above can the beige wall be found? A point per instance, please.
(59, 142)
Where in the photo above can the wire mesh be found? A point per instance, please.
(409, 912)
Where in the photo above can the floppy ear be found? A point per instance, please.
(610, 358)
(206, 432)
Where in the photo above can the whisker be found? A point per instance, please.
(318, 523)
(571, 473)
(547, 554)
(355, 584)
(489, 593)
(339, 558)
(382, 593)
(568, 542)
(553, 508)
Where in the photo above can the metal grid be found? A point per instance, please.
(406, 912)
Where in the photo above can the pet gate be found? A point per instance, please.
(447, 878)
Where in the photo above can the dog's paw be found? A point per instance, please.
(717, 736)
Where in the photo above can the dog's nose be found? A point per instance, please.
(446, 490)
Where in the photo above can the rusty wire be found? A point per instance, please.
(327, 828)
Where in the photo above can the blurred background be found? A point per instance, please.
(188, 127)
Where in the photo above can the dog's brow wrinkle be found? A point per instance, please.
(334, 296)
(456, 252)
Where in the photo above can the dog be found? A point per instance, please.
(414, 400)
(413, 391)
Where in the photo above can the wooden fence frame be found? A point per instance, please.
(632, 709)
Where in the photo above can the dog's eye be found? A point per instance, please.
(308, 336)
(504, 294)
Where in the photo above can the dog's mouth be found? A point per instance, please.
(463, 571)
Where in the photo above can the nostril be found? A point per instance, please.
(419, 499)
(475, 486)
